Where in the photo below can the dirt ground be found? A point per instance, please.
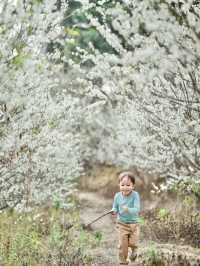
(93, 205)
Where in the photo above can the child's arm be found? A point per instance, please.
(115, 207)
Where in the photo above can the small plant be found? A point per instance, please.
(56, 202)
(196, 191)
(175, 227)
(163, 213)
(153, 258)
(44, 237)
(98, 236)
(142, 220)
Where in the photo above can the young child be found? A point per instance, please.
(127, 206)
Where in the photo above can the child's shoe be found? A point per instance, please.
(133, 255)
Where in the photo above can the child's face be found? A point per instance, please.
(126, 186)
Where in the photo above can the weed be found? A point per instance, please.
(152, 257)
(44, 237)
(182, 226)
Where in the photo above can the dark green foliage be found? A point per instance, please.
(77, 27)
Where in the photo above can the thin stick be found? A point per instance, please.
(98, 218)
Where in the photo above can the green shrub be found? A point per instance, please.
(152, 257)
(182, 226)
(42, 237)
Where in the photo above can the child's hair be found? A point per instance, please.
(129, 174)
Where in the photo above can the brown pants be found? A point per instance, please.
(128, 237)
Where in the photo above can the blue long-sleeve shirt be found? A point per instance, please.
(132, 202)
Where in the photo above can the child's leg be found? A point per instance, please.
(123, 231)
(133, 241)
(134, 236)
(123, 247)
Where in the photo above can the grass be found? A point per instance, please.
(44, 236)
(181, 226)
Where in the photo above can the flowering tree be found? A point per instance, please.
(137, 105)
(38, 152)
(148, 89)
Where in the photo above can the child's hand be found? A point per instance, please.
(113, 213)
(124, 208)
